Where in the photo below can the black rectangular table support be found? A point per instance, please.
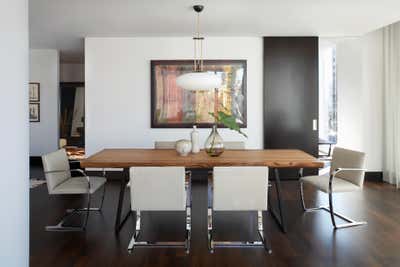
(280, 220)
(124, 181)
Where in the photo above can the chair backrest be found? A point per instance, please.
(345, 158)
(234, 145)
(240, 188)
(56, 168)
(164, 145)
(227, 145)
(157, 188)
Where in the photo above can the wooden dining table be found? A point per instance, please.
(272, 158)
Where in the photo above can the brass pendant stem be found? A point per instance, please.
(198, 45)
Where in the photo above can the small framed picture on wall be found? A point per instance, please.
(34, 112)
(34, 92)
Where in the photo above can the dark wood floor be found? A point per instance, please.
(310, 240)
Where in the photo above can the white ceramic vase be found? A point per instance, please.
(183, 147)
(194, 135)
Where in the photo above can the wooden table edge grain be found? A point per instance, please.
(126, 158)
(130, 157)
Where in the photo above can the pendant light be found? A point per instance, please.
(198, 79)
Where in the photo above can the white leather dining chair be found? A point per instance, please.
(164, 145)
(346, 175)
(240, 189)
(158, 189)
(60, 182)
(229, 145)
(234, 145)
(171, 145)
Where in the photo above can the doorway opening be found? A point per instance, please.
(72, 119)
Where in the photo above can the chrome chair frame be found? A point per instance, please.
(135, 243)
(329, 208)
(185, 244)
(212, 244)
(59, 227)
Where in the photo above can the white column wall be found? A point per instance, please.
(44, 69)
(14, 134)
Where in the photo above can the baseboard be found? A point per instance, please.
(376, 176)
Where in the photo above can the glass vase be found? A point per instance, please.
(214, 145)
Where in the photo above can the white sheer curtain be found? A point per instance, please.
(391, 48)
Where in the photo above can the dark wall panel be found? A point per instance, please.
(291, 93)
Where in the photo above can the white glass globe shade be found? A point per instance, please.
(198, 81)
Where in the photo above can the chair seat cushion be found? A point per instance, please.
(322, 183)
(78, 185)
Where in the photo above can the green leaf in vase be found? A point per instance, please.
(228, 121)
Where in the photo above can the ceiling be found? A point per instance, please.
(62, 24)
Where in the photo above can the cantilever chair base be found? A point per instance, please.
(60, 228)
(177, 177)
(169, 244)
(57, 228)
(212, 244)
(350, 222)
(239, 244)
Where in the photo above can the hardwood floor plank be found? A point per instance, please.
(310, 241)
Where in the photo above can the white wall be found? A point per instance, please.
(14, 161)
(118, 90)
(372, 55)
(350, 93)
(72, 72)
(44, 68)
(360, 95)
(117, 81)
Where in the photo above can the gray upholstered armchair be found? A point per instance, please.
(60, 181)
(346, 175)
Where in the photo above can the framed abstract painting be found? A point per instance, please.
(174, 107)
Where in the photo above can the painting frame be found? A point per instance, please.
(34, 112)
(153, 63)
(34, 92)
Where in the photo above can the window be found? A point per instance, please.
(327, 92)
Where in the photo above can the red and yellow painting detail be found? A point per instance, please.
(174, 107)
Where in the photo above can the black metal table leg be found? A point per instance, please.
(124, 180)
(281, 218)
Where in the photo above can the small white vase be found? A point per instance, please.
(183, 147)
(195, 140)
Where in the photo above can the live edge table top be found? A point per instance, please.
(275, 158)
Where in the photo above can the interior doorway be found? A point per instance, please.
(72, 118)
